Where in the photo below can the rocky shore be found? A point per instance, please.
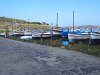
(21, 58)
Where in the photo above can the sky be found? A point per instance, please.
(86, 12)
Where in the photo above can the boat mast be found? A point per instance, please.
(57, 21)
(73, 21)
(91, 28)
(20, 25)
(28, 23)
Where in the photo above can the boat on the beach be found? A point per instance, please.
(95, 37)
(26, 37)
(27, 33)
(76, 37)
(2, 34)
(47, 34)
(16, 33)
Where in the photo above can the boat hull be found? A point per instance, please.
(78, 37)
(47, 35)
(95, 38)
(16, 34)
(26, 37)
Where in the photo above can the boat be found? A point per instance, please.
(27, 33)
(41, 35)
(52, 33)
(81, 36)
(75, 35)
(16, 33)
(3, 34)
(26, 37)
(95, 38)
(46, 34)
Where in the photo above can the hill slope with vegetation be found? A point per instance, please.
(20, 24)
(4, 20)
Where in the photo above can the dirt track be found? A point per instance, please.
(20, 58)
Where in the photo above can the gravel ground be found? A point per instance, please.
(20, 58)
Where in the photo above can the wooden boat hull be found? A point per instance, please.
(16, 34)
(2, 34)
(47, 35)
(78, 37)
(27, 33)
(26, 37)
(95, 38)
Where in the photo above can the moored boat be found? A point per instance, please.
(95, 38)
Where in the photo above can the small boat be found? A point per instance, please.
(95, 38)
(47, 34)
(41, 35)
(2, 34)
(17, 33)
(53, 34)
(36, 35)
(76, 37)
(26, 37)
(27, 33)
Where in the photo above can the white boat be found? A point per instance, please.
(2, 34)
(42, 35)
(26, 37)
(95, 37)
(47, 34)
(73, 37)
(36, 35)
(16, 33)
(52, 33)
(27, 33)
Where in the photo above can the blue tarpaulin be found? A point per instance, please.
(64, 37)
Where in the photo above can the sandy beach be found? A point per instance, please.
(21, 58)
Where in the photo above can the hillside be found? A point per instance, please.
(4, 20)
(20, 24)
